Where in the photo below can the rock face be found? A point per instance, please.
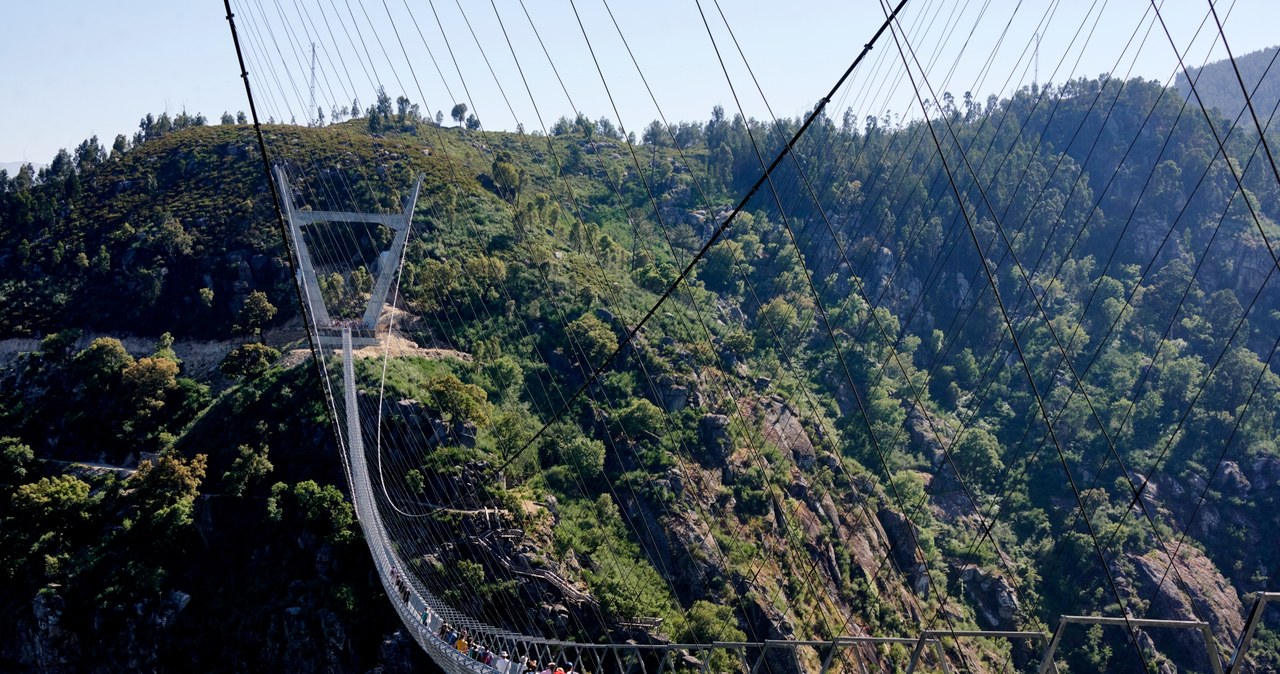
(782, 427)
(1207, 596)
(398, 655)
(1265, 471)
(315, 643)
(52, 640)
(1233, 479)
(417, 416)
(675, 398)
(993, 596)
(713, 431)
(924, 441)
(902, 535)
(45, 646)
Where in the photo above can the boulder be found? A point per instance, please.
(464, 433)
(1233, 480)
(1264, 472)
(994, 597)
(397, 654)
(675, 398)
(713, 431)
(783, 428)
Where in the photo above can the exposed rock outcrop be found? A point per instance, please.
(994, 597)
(902, 536)
(782, 427)
(47, 647)
(713, 431)
(1196, 591)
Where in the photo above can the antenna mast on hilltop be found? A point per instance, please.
(311, 110)
(1035, 78)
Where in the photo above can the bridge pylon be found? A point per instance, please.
(329, 329)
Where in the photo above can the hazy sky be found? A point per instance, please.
(78, 68)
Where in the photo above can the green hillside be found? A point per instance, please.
(827, 420)
(1220, 89)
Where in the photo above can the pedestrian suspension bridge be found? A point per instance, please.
(349, 243)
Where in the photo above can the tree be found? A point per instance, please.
(640, 417)
(256, 312)
(608, 250)
(249, 467)
(512, 428)
(89, 155)
(167, 479)
(579, 235)
(777, 316)
(164, 348)
(738, 343)
(967, 372)
(459, 113)
(147, 381)
(100, 365)
(591, 340)
(16, 459)
(977, 457)
(414, 481)
(336, 296)
(507, 178)
(525, 223)
(172, 239)
(655, 134)
(473, 123)
(585, 126)
(57, 503)
(57, 347)
(458, 401)
(322, 510)
(248, 360)
(505, 375)
(724, 261)
(361, 281)
(706, 622)
(584, 455)
(164, 492)
(227, 119)
(1164, 296)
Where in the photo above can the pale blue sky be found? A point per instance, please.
(77, 68)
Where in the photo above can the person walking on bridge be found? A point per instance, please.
(501, 663)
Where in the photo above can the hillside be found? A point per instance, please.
(824, 431)
(1220, 90)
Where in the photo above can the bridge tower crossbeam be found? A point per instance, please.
(328, 330)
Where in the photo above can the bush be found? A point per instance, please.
(248, 360)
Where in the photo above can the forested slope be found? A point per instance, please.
(827, 430)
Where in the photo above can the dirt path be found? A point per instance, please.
(389, 345)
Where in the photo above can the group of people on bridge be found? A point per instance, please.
(500, 662)
(460, 640)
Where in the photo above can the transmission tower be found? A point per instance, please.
(311, 108)
(1035, 77)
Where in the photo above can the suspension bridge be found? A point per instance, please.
(428, 535)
